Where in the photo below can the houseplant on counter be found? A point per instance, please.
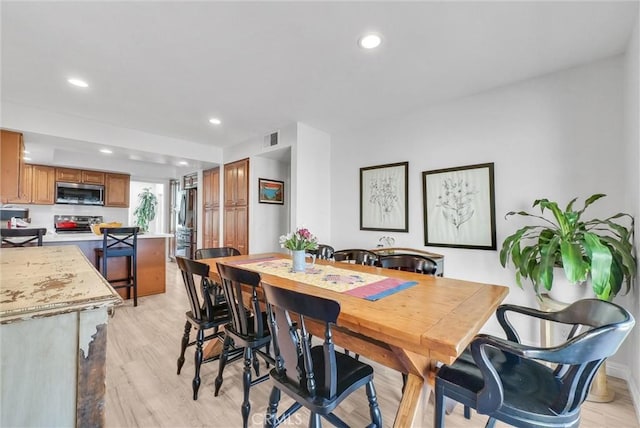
(299, 242)
(145, 212)
(595, 249)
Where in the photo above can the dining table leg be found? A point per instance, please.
(414, 402)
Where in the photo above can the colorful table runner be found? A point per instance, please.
(359, 284)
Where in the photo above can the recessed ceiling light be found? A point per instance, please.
(26, 158)
(78, 82)
(183, 163)
(106, 151)
(215, 121)
(369, 41)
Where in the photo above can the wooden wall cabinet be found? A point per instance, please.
(38, 185)
(211, 207)
(72, 175)
(68, 175)
(11, 165)
(26, 183)
(116, 189)
(93, 177)
(190, 181)
(236, 205)
(43, 184)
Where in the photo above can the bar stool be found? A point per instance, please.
(120, 242)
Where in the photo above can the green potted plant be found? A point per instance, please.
(146, 209)
(601, 250)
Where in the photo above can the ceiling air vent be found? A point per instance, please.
(271, 139)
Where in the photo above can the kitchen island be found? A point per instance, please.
(53, 336)
(152, 258)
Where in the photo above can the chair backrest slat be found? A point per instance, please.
(233, 279)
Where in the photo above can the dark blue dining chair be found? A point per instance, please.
(508, 381)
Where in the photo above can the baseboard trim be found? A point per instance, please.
(635, 395)
(621, 371)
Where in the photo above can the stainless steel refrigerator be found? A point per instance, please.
(187, 221)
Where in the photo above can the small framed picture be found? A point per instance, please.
(270, 191)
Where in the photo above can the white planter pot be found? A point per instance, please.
(566, 292)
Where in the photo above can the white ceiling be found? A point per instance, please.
(167, 67)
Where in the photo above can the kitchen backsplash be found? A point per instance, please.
(42, 215)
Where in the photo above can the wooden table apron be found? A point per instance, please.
(408, 331)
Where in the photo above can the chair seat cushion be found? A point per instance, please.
(528, 385)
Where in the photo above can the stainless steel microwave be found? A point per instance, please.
(79, 194)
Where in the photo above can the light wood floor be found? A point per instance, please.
(143, 389)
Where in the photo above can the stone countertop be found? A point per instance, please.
(49, 280)
(90, 236)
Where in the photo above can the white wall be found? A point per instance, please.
(556, 136)
(632, 192)
(267, 221)
(311, 197)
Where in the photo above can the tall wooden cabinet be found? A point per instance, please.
(211, 207)
(11, 165)
(236, 188)
(236, 205)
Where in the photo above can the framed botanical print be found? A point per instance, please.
(384, 202)
(459, 207)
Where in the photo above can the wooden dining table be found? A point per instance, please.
(409, 331)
